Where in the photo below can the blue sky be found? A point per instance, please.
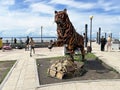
(25, 17)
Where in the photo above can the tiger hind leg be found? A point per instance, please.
(83, 53)
(72, 57)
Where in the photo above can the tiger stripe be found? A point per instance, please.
(67, 34)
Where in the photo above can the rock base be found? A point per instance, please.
(66, 68)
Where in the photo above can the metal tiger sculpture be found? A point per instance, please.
(67, 34)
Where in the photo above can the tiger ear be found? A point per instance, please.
(55, 12)
(65, 10)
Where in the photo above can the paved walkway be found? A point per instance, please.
(23, 75)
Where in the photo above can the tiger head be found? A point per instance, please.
(60, 17)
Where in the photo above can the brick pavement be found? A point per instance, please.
(23, 75)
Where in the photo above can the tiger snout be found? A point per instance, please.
(59, 22)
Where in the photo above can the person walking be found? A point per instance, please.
(103, 42)
(85, 39)
(1, 43)
(32, 46)
(15, 41)
(109, 40)
(27, 44)
(50, 43)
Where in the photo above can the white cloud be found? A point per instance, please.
(28, 22)
(17, 20)
(7, 2)
(107, 6)
(1, 32)
(106, 22)
(24, 21)
(72, 3)
(100, 4)
(42, 8)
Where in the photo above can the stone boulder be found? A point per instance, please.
(64, 68)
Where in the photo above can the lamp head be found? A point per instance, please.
(91, 17)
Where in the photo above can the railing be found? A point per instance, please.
(115, 45)
(23, 39)
(20, 41)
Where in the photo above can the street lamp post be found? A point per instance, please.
(105, 35)
(41, 34)
(97, 37)
(91, 17)
(99, 34)
(86, 37)
(111, 35)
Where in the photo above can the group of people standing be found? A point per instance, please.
(30, 44)
(104, 42)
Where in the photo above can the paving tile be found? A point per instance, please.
(96, 87)
(110, 88)
(70, 86)
(82, 86)
(30, 76)
(109, 83)
(23, 75)
(8, 88)
(57, 87)
(20, 83)
(18, 88)
(10, 83)
(29, 83)
(44, 88)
